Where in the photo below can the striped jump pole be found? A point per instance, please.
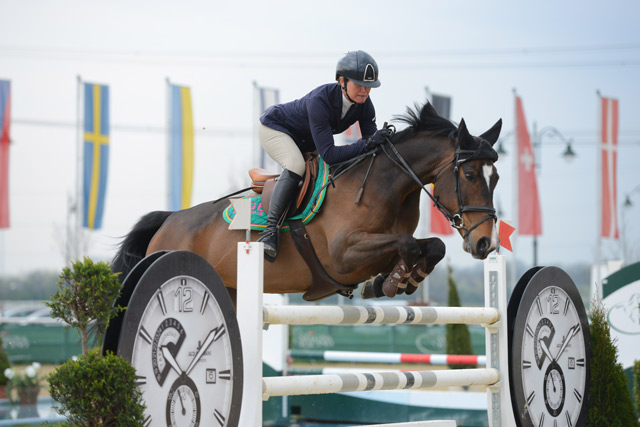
(376, 315)
(253, 316)
(391, 358)
(390, 380)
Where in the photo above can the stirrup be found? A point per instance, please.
(274, 236)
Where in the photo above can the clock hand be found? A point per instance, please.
(574, 330)
(203, 348)
(172, 361)
(184, 411)
(553, 382)
(545, 349)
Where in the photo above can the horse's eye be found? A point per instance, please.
(470, 176)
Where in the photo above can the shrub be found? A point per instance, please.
(86, 293)
(4, 364)
(458, 336)
(98, 390)
(610, 401)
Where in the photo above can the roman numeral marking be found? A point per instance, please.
(526, 364)
(531, 397)
(219, 332)
(569, 423)
(163, 306)
(224, 375)
(580, 362)
(145, 335)
(530, 331)
(140, 380)
(203, 307)
(219, 417)
(147, 421)
(541, 423)
(539, 304)
(555, 423)
(577, 394)
(566, 306)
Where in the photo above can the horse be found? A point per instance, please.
(371, 240)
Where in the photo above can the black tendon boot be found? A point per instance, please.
(283, 193)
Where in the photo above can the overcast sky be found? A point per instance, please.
(556, 55)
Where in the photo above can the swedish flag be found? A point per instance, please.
(96, 153)
(180, 148)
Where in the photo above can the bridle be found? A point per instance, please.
(460, 157)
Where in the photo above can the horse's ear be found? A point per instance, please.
(492, 134)
(465, 140)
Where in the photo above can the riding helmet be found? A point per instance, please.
(360, 67)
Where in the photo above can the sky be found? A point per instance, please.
(555, 55)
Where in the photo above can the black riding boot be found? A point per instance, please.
(283, 193)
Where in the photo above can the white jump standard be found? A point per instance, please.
(253, 316)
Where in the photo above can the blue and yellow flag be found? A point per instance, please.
(180, 148)
(96, 153)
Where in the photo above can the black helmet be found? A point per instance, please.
(360, 67)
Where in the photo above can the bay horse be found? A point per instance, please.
(355, 242)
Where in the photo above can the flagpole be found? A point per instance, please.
(599, 199)
(514, 240)
(75, 251)
(168, 142)
(254, 126)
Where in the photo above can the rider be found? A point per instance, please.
(309, 123)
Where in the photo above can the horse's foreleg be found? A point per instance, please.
(433, 251)
(404, 280)
(376, 253)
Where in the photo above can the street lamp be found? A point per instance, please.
(568, 155)
(627, 197)
(536, 141)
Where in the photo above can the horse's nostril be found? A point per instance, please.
(483, 245)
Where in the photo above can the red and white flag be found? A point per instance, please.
(439, 223)
(609, 164)
(529, 218)
(5, 124)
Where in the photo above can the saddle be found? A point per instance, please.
(263, 182)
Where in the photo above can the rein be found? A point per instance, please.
(456, 219)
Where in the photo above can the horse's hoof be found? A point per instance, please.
(372, 288)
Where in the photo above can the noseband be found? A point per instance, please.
(459, 158)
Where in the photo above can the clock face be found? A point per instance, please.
(550, 353)
(184, 344)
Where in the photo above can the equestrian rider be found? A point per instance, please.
(309, 123)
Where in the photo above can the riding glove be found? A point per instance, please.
(378, 138)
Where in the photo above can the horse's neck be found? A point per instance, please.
(425, 155)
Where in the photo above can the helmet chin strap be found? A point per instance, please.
(346, 94)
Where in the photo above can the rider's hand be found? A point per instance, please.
(378, 138)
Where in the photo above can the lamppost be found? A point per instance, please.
(568, 155)
(536, 141)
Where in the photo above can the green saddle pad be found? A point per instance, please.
(259, 217)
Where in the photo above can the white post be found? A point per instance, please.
(496, 341)
(249, 313)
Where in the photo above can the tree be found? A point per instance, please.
(610, 401)
(86, 293)
(458, 336)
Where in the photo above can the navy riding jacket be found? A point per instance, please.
(312, 120)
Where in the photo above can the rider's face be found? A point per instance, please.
(357, 93)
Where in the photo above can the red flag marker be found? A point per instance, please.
(505, 230)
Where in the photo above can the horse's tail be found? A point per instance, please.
(134, 247)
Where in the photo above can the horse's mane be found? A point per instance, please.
(423, 118)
